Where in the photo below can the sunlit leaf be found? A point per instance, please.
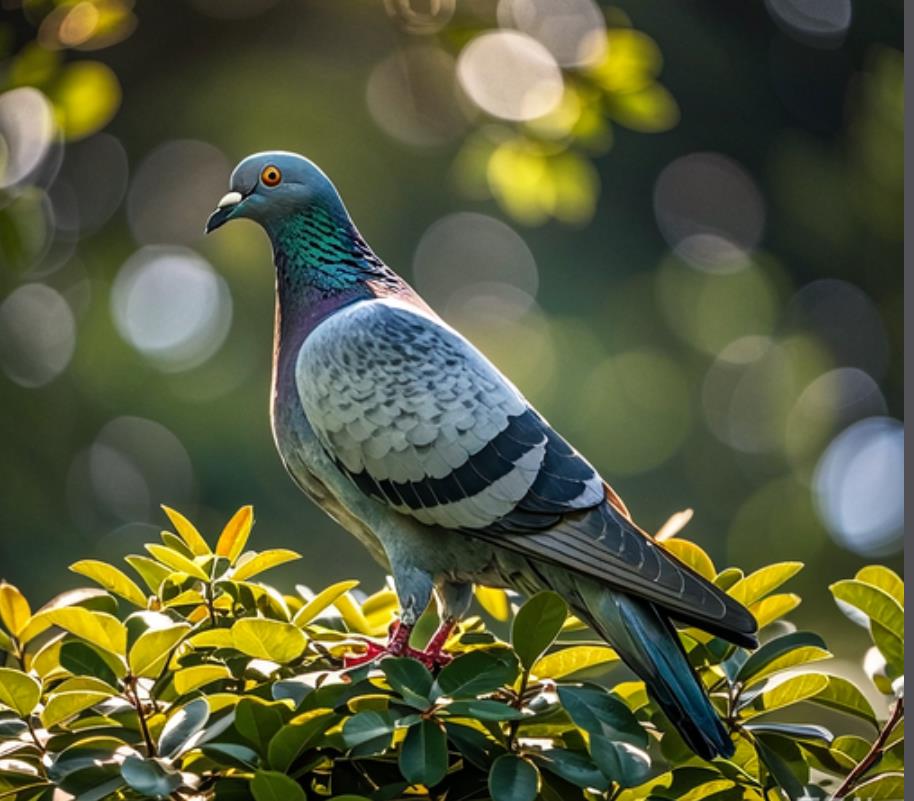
(275, 640)
(177, 561)
(872, 601)
(763, 581)
(188, 532)
(494, 601)
(235, 534)
(843, 695)
(14, 609)
(64, 705)
(99, 628)
(322, 600)
(791, 690)
(774, 607)
(193, 678)
(883, 578)
(181, 726)
(148, 654)
(693, 556)
(112, 579)
(258, 563)
(568, 661)
(152, 573)
(18, 691)
(791, 650)
(212, 638)
(883, 787)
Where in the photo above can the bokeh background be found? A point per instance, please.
(676, 226)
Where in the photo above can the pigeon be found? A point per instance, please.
(406, 435)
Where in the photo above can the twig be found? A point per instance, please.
(134, 695)
(874, 754)
(518, 704)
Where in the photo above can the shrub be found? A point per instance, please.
(211, 684)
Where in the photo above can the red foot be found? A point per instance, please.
(398, 645)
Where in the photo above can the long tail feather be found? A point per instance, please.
(648, 644)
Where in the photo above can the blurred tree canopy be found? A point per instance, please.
(690, 213)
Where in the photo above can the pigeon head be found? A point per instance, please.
(272, 187)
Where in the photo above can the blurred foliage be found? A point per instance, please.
(689, 376)
(211, 683)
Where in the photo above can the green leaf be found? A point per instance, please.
(482, 710)
(891, 647)
(885, 579)
(599, 713)
(785, 763)
(150, 777)
(258, 563)
(292, 739)
(181, 726)
(152, 573)
(63, 705)
(620, 762)
(187, 532)
(572, 767)
(692, 555)
(410, 678)
(82, 659)
(98, 628)
(884, 787)
(14, 609)
(774, 607)
(536, 625)
(366, 726)
(6, 644)
(112, 579)
(473, 745)
(568, 661)
(423, 754)
(193, 678)
(152, 649)
(258, 721)
(763, 581)
(843, 695)
(796, 648)
(792, 690)
(235, 534)
(268, 785)
(513, 778)
(875, 603)
(321, 601)
(176, 561)
(19, 691)
(475, 673)
(275, 640)
(231, 754)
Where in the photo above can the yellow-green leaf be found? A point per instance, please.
(90, 683)
(257, 563)
(884, 787)
(874, 602)
(212, 638)
(268, 639)
(494, 601)
(152, 573)
(891, 646)
(693, 556)
(843, 695)
(789, 691)
(567, 661)
(193, 678)
(176, 561)
(187, 531)
(14, 609)
(322, 600)
(99, 628)
(235, 534)
(148, 654)
(885, 579)
(19, 691)
(763, 581)
(112, 579)
(64, 705)
(798, 656)
(774, 607)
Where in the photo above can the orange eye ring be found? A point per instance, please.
(271, 176)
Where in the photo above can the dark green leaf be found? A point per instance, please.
(572, 767)
(268, 785)
(784, 762)
(149, 777)
(482, 710)
(620, 762)
(231, 754)
(513, 778)
(410, 678)
(598, 712)
(423, 755)
(258, 721)
(294, 737)
(536, 625)
(181, 726)
(774, 654)
(81, 659)
(843, 695)
(368, 726)
(797, 731)
(475, 747)
(475, 673)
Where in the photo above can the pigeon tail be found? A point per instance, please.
(647, 642)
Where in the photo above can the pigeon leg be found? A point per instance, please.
(433, 655)
(397, 645)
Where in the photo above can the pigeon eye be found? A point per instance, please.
(271, 175)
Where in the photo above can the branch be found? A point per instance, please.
(874, 754)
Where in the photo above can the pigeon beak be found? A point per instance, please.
(224, 211)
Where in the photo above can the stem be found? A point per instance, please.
(208, 594)
(874, 754)
(517, 704)
(134, 697)
(34, 735)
